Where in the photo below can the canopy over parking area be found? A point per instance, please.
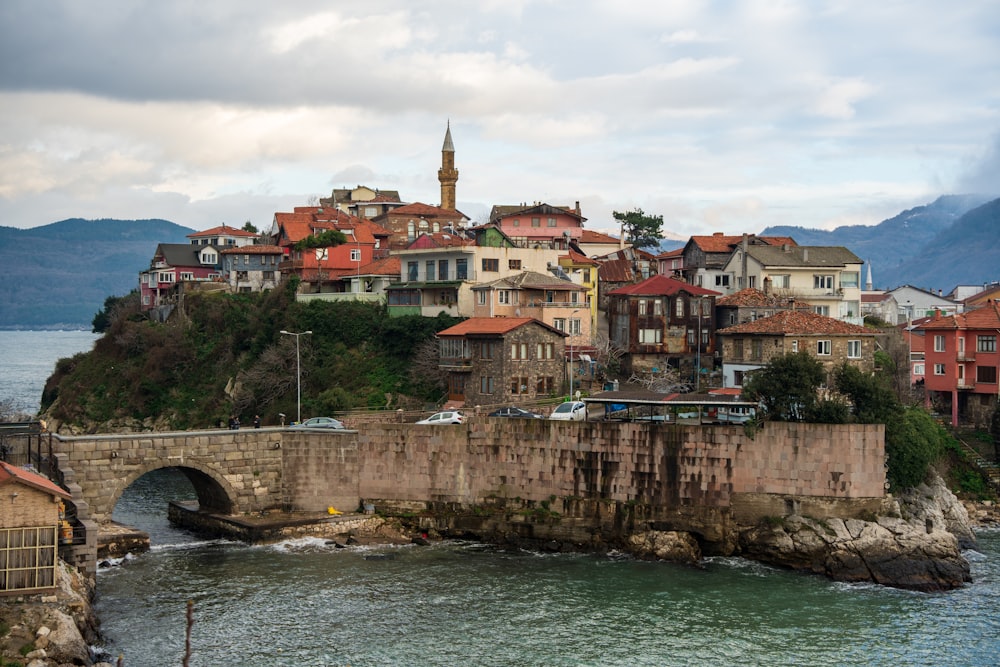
(721, 406)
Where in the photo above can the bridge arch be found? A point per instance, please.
(215, 493)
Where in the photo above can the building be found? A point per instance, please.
(555, 301)
(251, 268)
(704, 258)
(671, 263)
(497, 360)
(539, 225)
(962, 363)
(31, 520)
(748, 305)
(825, 277)
(752, 345)
(362, 201)
(409, 221)
(223, 237)
(881, 305)
(663, 322)
(174, 264)
(915, 303)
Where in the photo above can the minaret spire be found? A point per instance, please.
(447, 174)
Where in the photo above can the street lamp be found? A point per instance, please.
(571, 350)
(298, 370)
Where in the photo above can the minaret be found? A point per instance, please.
(447, 174)
(868, 281)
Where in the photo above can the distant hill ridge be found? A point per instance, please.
(58, 275)
(905, 248)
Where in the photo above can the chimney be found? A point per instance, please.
(805, 254)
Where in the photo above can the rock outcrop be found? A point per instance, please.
(675, 546)
(917, 546)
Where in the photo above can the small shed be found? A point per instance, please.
(31, 513)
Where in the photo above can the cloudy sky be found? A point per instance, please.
(719, 116)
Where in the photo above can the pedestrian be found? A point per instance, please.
(256, 421)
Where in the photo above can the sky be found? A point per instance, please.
(719, 116)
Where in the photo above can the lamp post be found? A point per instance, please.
(571, 350)
(298, 370)
(697, 370)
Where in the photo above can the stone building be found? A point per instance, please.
(495, 360)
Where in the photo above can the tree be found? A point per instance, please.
(913, 441)
(250, 227)
(329, 238)
(873, 401)
(640, 230)
(787, 386)
(114, 308)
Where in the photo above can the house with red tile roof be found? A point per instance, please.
(963, 363)
(174, 265)
(752, 345)
(663, 322)
(408, 222)
(539, 224)
(502, 360)
(671, 263)
(223, 236)
(705, 258)
(593, 244)
(30, 522)
(362, 201)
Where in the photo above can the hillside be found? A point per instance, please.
(58, 275)
(967, 252)
(892, 243)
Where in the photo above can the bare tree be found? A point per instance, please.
(272, 376)
(663, 381)
(425, 369)
(607, 355)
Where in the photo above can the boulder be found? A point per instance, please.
(933, 506)
(670, 545)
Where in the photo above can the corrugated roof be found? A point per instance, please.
(615, 271)
(797, 322)
(662, 286)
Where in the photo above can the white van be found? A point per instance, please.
(574, 411)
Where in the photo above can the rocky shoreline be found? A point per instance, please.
(917, 545)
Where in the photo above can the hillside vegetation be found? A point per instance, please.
(224, 355)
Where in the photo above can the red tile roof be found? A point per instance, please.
(576, 258)
(222, 230)
(382, 267)
(987, 317)
(752, 297)
(798, 322)
(720, 242)
(590, 236)
(12, 474)
(662, 285)
(676, 252)
(493, 325)
(425, 210)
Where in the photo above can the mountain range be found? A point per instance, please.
(58, 275)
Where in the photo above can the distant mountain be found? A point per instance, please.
(890, 244)
(966, 253)
(58, 275)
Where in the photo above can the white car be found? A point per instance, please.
(574, 411)
(446, 417)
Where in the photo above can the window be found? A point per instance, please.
(822, 310)
(431, 265)
(545, 351)
(722, 280)
(491, 264)
(642, 307)
(481, 297)
(823, 348)
(552, 222)
(545, 385)
(939, 343)
(738, 377)
(738, 348)
(752, 282)
(550, 296)
(411, 230)
(517, 223)
(574, 297)
(536, 222)
(518, 386)
(268, 275)
(246, 259)
(823, 282)
(503, 296)
(486, 385)
(574, 326)
(986, 343)
(849, 279)
(187, 275)
(918, 369)
(519, 351)
(657, 307)
(442, 269)
(355, 255)
(371, 211)
(453, 348)
(650, 336)
(679, 307)
(690, 337)
(781, 281)
(854, 349)
(165, 277)
(987, 374)
(487, 349)
(559, 323)
(938, 369)
(757, 351)
(461, 269)
(411, 271)
(795, 346)
(514, 264)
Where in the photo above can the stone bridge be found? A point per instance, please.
(698, 476)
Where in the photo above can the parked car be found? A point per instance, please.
(446, 417)
(575, 411)
(514, 411)
(320, 422)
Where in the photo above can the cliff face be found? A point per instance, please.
(916, 545)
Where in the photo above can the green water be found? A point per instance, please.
(308, 603)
